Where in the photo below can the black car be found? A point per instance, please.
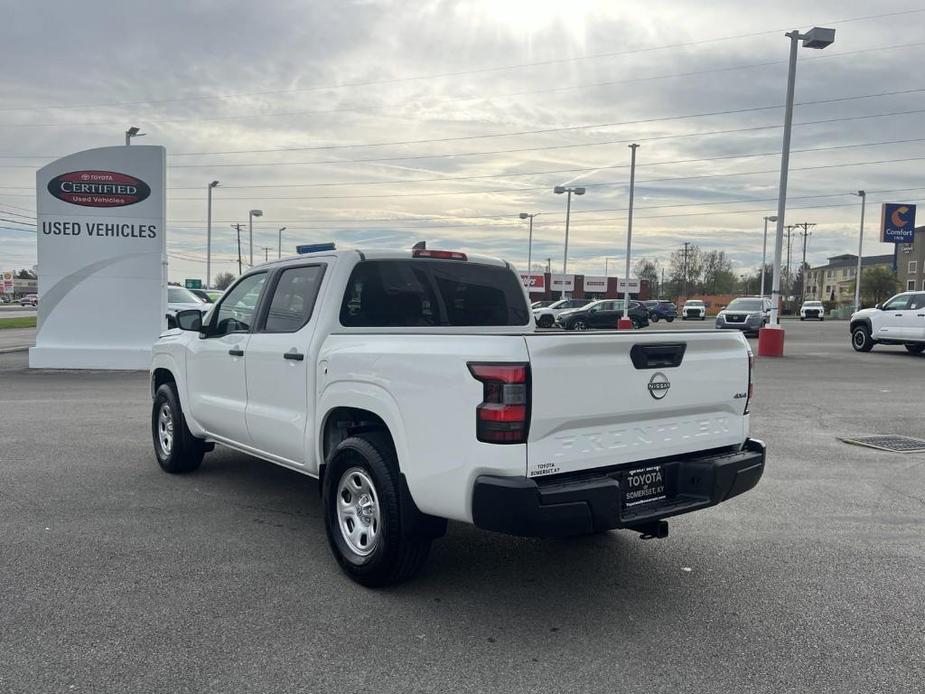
(603, 314)
(661, 310)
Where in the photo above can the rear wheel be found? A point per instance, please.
(362, 513)
(916, 347)
(655, 319)
(177, 450)
(669, 319)
(861, 339)
(545, 321)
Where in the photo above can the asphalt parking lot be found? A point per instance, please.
(117, 577)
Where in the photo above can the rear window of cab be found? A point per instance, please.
(432, 293)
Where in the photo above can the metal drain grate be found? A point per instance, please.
(894, 444)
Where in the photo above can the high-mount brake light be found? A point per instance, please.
(440, 255)
(504, 413)
(751, 378)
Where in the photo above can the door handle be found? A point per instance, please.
(236, 352)
(295, 356)
(897, 315)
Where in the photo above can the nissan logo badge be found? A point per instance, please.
(659, 385)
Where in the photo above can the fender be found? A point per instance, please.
(364, 396)
(861, 321)
(165, 360)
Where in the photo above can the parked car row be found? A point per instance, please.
(602, 314)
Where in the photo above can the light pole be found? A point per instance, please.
(279, 247)
(857, 280)
(764, 250)
(525, 215)
(132, 132)
(558, 190)
(212, 185)
(250, 219)
(773, 343)
(625, 323)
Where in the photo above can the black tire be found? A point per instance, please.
(578, 324)
(176, 449)
(393, 556)
(654, 319)
(545, 321)
(861, 339)
(669, 319)
(802, 318)
(915, 348)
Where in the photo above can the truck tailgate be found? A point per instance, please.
(592, 406)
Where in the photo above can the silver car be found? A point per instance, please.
(747, 313)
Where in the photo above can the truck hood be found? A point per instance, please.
(865, 313)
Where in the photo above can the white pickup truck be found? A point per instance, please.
(413, 385)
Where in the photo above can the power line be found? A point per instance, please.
(485, 70)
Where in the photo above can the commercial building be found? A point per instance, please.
(910, 266)
(835, 280)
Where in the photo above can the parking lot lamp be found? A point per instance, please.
(764, 250)
(251, 215)
(212, 185)
(279, 246)
(558, 190)
(857, 280)
(525, 215)
(771, 343)
(624, 323)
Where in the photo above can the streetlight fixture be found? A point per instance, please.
(525, 215)
(132, 132)
(857, 280)
(771, 338)
(764, 250)
(250, 220)
(279, 247)
(558, 190)
(624, 323)
(212, 185)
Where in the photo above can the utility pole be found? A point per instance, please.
(238, 228)
(806, 233)
(266, 254)
(625, 322)
(687, 245)
(789, 283)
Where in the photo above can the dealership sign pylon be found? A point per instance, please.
(102, 258)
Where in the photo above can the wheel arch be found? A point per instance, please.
(861, 321)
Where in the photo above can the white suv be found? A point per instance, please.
(899, 321)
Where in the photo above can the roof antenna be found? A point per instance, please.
(419, 246)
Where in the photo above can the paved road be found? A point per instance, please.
(16, 312)
(11, 338)
(116, 577)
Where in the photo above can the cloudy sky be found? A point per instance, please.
(378, 123)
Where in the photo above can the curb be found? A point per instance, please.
(10, 350)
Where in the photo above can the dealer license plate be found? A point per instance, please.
(643, 485)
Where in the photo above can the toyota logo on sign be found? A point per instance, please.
(98, 188)
(659, 385)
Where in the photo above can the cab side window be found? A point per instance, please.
(293, 299)
(918, 302)
(239, 306)
(898, 303)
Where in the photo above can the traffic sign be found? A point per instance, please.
(192, 284)
(897, 222)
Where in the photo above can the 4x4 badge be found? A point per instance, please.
(659, 385)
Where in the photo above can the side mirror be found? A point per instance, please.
(190, 319)
(879, 307)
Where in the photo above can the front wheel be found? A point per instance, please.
(362, 514)
(861, 339)
(579, 324)
(916, 348)
(655, 319)
(669, 319)
(177, 450)
(545, 321)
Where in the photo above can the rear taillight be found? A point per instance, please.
(751, 378)
(504, 413)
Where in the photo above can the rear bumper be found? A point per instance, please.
(592, 501)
